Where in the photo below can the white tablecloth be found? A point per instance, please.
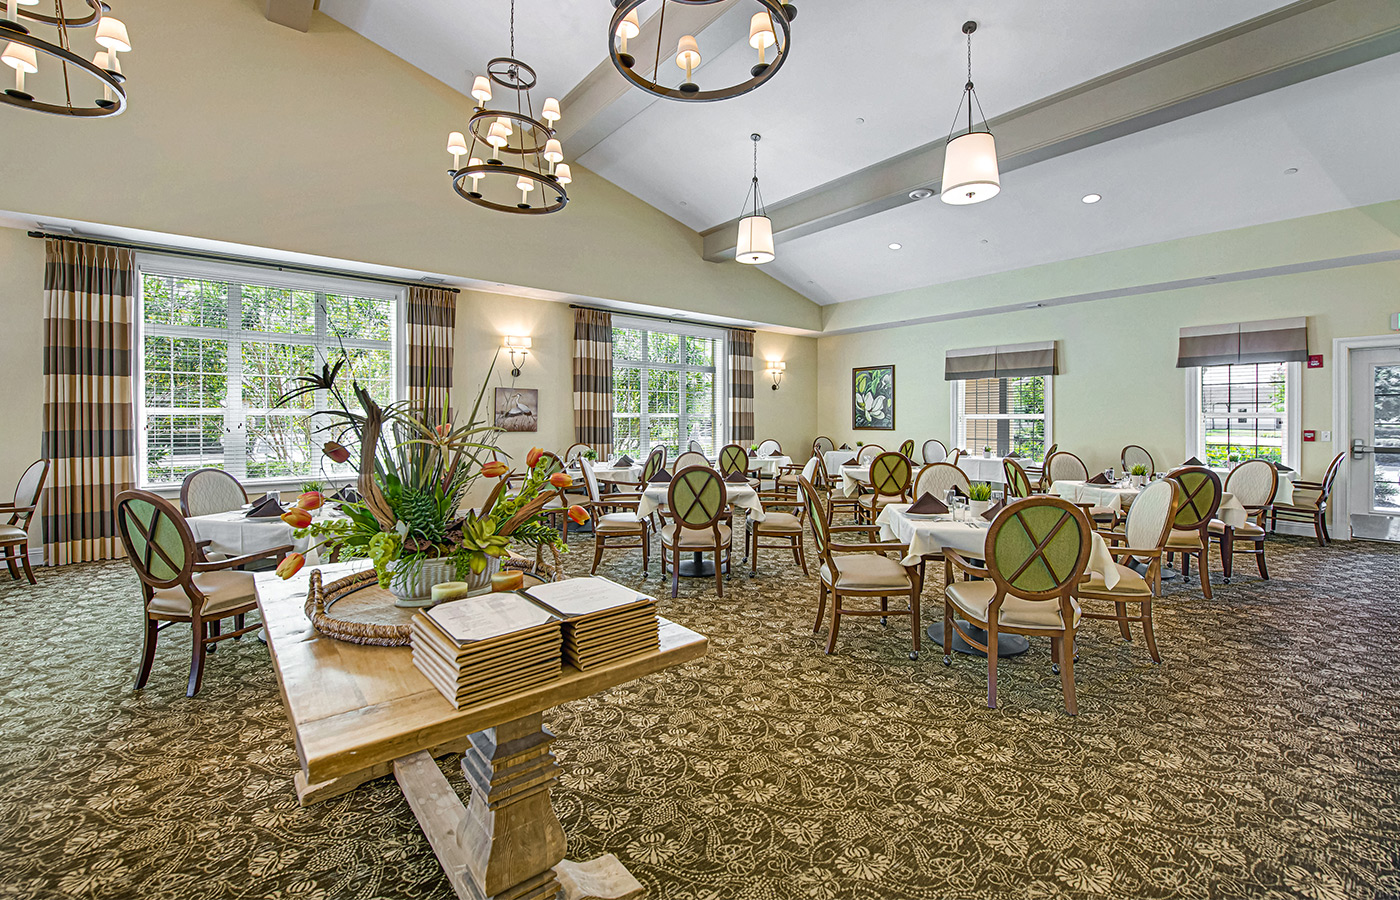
(741, 496)
(234, 534)
(926, 537)
(768, 466)
(983, 468)
(833, 460)
(631, 474)
(1231, 512)
(853, 478)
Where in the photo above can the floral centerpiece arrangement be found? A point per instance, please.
(412, 478)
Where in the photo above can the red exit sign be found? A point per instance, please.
(1309, 436)
(1315, 361)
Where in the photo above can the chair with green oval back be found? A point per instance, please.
(1200, 500)
(655, 462)
(1144, 536)
(1254, 483)
(858, 570)
(1036, 473)
(907, 448)
(1310, 502)
(697, 501)
(178, 584)
(734, 458)
(889, 478)
(1036, 553)
(1018, 483)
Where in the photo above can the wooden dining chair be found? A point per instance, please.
(1133, 455)
(691, 458)
(936, 478)
(574, 452)
(954, 455)
(698, 503)
(1143, 537)
(1018, 483)
(616, 525)
(1036, 471)
(205, 492)
(696, 447)
(1254, 483)
(1309, 502)
(14, 534)
(889, 479)
(179, 585)
(907, 448)
(1064, 466)
(1036, 553)
(867, 454)
(859, 571)
(655, 462)
(734, 458)
(782, 524)
(1199, 501)
(933, 451)
(770, 447)
(823, 444)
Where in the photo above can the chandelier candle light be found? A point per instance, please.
(24, 52)
(510, 148)
(769, 30)
(970, 172)
(755, 244)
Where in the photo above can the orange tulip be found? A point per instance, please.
(533, 456)
(311, 500)
(444, 429)
(561, 480)
(336, 452)
(297, 517)
(494, 469)
(290, 565)
(578, 514)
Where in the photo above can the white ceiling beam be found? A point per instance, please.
(295, 14)
(1301, 41)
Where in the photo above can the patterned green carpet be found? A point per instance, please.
(1261, 759)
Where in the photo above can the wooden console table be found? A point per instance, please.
(360, 713)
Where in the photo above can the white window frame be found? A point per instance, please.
(1292, 410)
(721, 367)
(243, 274)
(958, 425)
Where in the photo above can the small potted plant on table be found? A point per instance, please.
(979, 495)
(1138, 476)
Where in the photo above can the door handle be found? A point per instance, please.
(1359, 448)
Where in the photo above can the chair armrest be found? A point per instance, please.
(1118, 552)
(235, 561)
(11, 508)
(1312, 485)
(955, 558)
(837, 529)
(869, 548)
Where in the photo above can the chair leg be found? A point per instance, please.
(1067, 672)
(238, 625)
(1317, 528)
(821, 607)
(598, 552)
(214, 629)
(915, 619)
(753, 552)
(1205, 571)
(148, 654)
(196, 659)
(947, 633)
(10, 562)
(1147, 631)
(1326, 535)
(835, 621)
(1259, 559)
(24, 561)
(646, 552)
(801, 556)
(675, 572)
(1227, 553)
(991, 663)
(1186, 565)
(1122, 609)
(719, 572)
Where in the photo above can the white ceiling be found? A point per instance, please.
(1210, 172)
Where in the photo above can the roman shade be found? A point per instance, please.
(1003, 361)
(1267, 341)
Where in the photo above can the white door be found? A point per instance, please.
(1373, 459)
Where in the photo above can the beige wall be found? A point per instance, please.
(1119, 383)
(21, 354)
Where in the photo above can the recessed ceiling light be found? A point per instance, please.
(1291, 170)
(984, 240)
(896, 246)
(860, 121)
(684, 203)
(1091, 198)
(920, 194)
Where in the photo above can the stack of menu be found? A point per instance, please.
(603, 621)
(484, 648)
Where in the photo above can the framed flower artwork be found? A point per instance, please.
(872, 398)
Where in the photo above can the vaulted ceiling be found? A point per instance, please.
(1184, 116)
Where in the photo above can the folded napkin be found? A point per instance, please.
(844, 447)
(737, 478)
(849, 462)
(769, 454)
(661, 477)
(266, 508)
(992, 511)
(623, 461)
(1193, 461)
(1282, 468)
(346, 494)
(960, 492)
(928, 505)
(1012, 455)
(1097, 479)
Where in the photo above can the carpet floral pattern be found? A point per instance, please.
(1261, 759)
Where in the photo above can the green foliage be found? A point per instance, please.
(979, 490)
(1139, 469)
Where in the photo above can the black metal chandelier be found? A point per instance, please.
(769, 29)
(504, 146)
(23, 51)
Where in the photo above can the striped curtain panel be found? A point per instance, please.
(432, 325)
(89, 418)
(593, 380)
(740, 386)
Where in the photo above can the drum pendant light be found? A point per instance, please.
(755, 244)
(970, 173)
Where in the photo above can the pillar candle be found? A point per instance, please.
(450, 590)
(509, 580)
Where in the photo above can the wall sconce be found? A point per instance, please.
(776, 368)
(519, 348)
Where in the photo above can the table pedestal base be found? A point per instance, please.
(1007, 644)
(697, 567)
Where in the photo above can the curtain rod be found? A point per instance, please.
(635, 315)
(243, 260)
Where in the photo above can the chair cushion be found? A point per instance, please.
(779, 523)
(11, 533)
(789, 479)
(223, 593)
(617, 523)
(1183, 540)
(867, 572)
(973, 598)
(1130, 584)
(1248, 531)
(691, 537)
(880, 501)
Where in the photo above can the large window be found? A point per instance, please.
(219, 344)
(668, 386)
(1006, 414)
(1244, 412)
